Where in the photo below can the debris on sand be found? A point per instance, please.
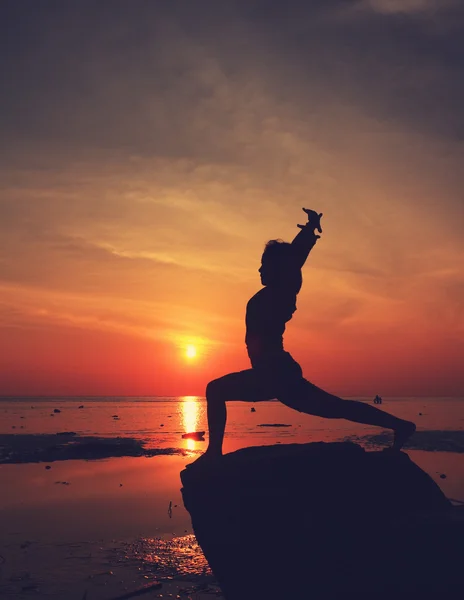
(56, 410)
(199, 436)
(81, 406)
(274, 425)
(138, 592)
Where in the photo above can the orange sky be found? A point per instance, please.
(134, 214)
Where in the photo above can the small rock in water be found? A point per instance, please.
(81, 406)
(56, 410)
(162, 425)
(194, 435)
(48, 467)
(253, 409)
(443, 476)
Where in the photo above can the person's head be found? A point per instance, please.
(278, 266)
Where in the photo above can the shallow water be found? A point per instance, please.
(162, 421)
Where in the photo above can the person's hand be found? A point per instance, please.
(314, 220)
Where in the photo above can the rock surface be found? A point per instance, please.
(325, 521)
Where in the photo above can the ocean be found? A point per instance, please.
(161, 421)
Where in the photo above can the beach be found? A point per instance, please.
(96, 528)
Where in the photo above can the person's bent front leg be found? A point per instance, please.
(217, 417)
(248, 385)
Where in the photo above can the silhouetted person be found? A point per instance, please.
(274, 373)
(377, 399)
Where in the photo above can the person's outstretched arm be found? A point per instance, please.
(306, 239)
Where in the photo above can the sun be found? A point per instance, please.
(190, 351)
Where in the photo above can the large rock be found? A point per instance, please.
(325, 521)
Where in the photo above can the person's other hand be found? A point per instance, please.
(314, 219)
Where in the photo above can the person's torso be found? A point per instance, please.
(267, 313)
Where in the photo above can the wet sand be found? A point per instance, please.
(98, 532)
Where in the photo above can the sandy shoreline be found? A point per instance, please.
(110, 529)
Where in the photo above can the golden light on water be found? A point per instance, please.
(190, 417)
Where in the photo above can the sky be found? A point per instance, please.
(149, 150)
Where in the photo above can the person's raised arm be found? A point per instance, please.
(306, 239)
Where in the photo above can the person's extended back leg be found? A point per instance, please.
(308, 398)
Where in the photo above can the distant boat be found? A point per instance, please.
(194, 435)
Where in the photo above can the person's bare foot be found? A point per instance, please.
(206, 459)
(402, 434)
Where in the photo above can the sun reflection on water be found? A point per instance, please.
(190, 417)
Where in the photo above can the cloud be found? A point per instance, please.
(390, 7)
